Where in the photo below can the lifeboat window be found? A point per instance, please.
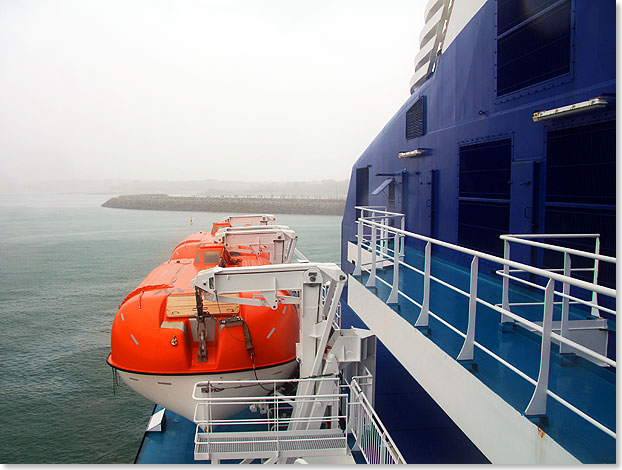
(211, 257)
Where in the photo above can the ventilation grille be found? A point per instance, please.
(511, 13)
(581, 166)
(484, 195)
(537, 49)
(485, 170)
(481, 223)
(415, 119)
(581, 189)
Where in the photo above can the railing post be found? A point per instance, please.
(505, 302)
(466, 354)
(537, 405)
(394, 295)
(357, 268)
(564, 348)
(385, 239)
(595, 312)
(402, 227)
(371, 282)
(425, 308)
(383, 446)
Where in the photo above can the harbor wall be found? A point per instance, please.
(264, 205)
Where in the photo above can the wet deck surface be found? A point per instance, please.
(589, 387)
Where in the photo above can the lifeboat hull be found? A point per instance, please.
(174, 392)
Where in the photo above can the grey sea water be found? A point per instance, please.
(65, 265)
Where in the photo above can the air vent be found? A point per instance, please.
(581, 165)
(484, 195)
(581, 190)
(534, 50)
(511, 13)
(415, 119)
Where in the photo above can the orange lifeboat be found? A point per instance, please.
(161, 344)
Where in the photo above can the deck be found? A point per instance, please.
(589, 387)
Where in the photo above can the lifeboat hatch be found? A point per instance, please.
(185, 306)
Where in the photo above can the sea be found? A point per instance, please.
(66, 263)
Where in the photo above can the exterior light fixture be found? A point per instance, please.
(412, 153)
(589, 105)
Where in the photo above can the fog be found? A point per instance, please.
(193, 90)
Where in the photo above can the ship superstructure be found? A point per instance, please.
(479, 237)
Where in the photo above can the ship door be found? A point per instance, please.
(362, 186)
(425, 200)
(418, 203)
(362, 189)
(522, 205)
(521, 197)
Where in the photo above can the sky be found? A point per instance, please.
(259, 90)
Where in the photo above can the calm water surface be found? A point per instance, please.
(65, 265)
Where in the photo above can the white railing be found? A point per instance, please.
(567, 269)
(537, 405)
(209, 397)
(371, 436)
(277, 424)
(378, 213)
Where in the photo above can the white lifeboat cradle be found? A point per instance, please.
(302, 420)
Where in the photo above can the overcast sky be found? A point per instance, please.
(187, 90)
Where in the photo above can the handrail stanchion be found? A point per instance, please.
(425, 308)
(394, 295)
(384, 243)
(357, 268)
(402, 227)
(595, 312)
(537, 405)
(371, 282)
(382, 452)
(564, 348)
(466, 354)
(505, 302)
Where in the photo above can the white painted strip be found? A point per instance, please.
(122, 317)
(134, 339)
(271, 331)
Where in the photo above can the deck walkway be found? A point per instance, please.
(587, 386)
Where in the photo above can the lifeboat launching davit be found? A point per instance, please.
(167, 335)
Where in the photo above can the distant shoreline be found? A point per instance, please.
(268, 205)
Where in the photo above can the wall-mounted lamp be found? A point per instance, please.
(412, 153)
(589, 105)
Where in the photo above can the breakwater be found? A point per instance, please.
(249, 205)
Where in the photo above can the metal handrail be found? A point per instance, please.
(379, 440)
(525, 239)
(361, 420)
(379, 209)
(537, 405)
(561, 249)
(495, 259)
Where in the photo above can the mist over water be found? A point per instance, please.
(65, 265)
